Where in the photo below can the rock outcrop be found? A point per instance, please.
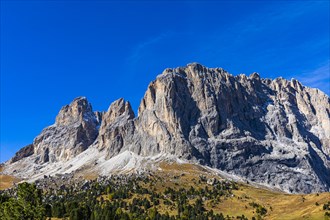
(75, 129)
(117, 126)
(22, 153)
(273, 132)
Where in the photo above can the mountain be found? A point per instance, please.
(271, 132)
(75, 129)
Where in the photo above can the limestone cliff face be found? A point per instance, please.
(274, 132)
(117, 126)
(75, 129)
(268, 131)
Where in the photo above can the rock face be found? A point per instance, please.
(116, 127)
(273, 132)
(22, 153)
(75, 129)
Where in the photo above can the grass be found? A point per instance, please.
(7, 181)
(279, 205)
(88, 176)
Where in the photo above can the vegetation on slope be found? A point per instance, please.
(175, 191)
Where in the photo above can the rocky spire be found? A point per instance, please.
(78, 110)
(117, 124)
(75, 129)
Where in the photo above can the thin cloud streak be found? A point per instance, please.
(318, 78)
(138, 50)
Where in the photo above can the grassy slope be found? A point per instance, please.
(7, 181)
(283, 206)
(279, 205)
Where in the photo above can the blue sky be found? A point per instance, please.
(54, 51)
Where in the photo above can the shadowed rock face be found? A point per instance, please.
(22, 153)
(275, 132)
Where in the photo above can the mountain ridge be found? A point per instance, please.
(272, 132)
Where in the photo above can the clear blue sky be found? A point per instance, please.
(54, 51)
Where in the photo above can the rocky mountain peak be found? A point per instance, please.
(75, 129)
(119, 108)
(209, 115)
(255, 76)
(196, 67)
(273, 132)
(116, 123)
(193, 70)
(77, 110)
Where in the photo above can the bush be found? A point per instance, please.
(326, 206)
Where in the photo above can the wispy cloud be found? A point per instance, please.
(318, 78)
(138, 50)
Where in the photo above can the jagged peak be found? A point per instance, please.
(81, 102)
(255, 75)
(75, 111)
(117, 102)
(120, 107)
(296, 84)
(196, 65)
(192, 70)
(79, 98)
(280, 80)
